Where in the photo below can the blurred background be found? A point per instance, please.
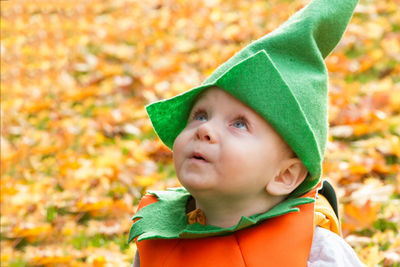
(78, 151)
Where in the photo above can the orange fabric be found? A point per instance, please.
(147, 200)
(281, 241)
(196, 216)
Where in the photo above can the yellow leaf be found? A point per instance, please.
(394, 100)
(93, 204)
(110, 157)
(139, 155)
(29, 230)
(370, 255)
(146, 180)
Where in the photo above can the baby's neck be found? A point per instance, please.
(226, 212)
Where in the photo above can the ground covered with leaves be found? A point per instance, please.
(78, 152)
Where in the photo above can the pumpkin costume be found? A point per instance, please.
(283, 77)
(248, 246)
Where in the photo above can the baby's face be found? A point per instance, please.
(227, 148)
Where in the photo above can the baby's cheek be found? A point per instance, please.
(235, 162)
(177, 151)
(179, 143)
(250, 157)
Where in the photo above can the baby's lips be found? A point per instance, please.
(198, 155)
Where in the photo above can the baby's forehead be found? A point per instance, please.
(218, 100)
(216, 95)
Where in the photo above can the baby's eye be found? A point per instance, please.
(240, 124)
(200, 115)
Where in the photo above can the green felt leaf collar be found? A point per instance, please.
(166, 219)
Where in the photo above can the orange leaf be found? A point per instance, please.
(360, 129)
(37, 106)
(81, 93)
(99, 261)
(359, 217)
(358, 169)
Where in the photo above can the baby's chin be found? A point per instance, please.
(196, 184)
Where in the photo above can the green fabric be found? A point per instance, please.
(283, 77)
(166, 219)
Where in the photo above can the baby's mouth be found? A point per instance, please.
(199, 156)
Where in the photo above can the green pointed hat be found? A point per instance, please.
(283, 77)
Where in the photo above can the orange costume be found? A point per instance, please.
(283, 240)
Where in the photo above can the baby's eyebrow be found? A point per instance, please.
(243, 114)
(196, 108)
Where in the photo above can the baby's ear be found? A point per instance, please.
(292, 174)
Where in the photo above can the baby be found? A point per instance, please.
(232, 161)
(248, 146)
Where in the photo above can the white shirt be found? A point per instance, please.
(330, 250)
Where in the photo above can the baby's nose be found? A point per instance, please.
(205, 133)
